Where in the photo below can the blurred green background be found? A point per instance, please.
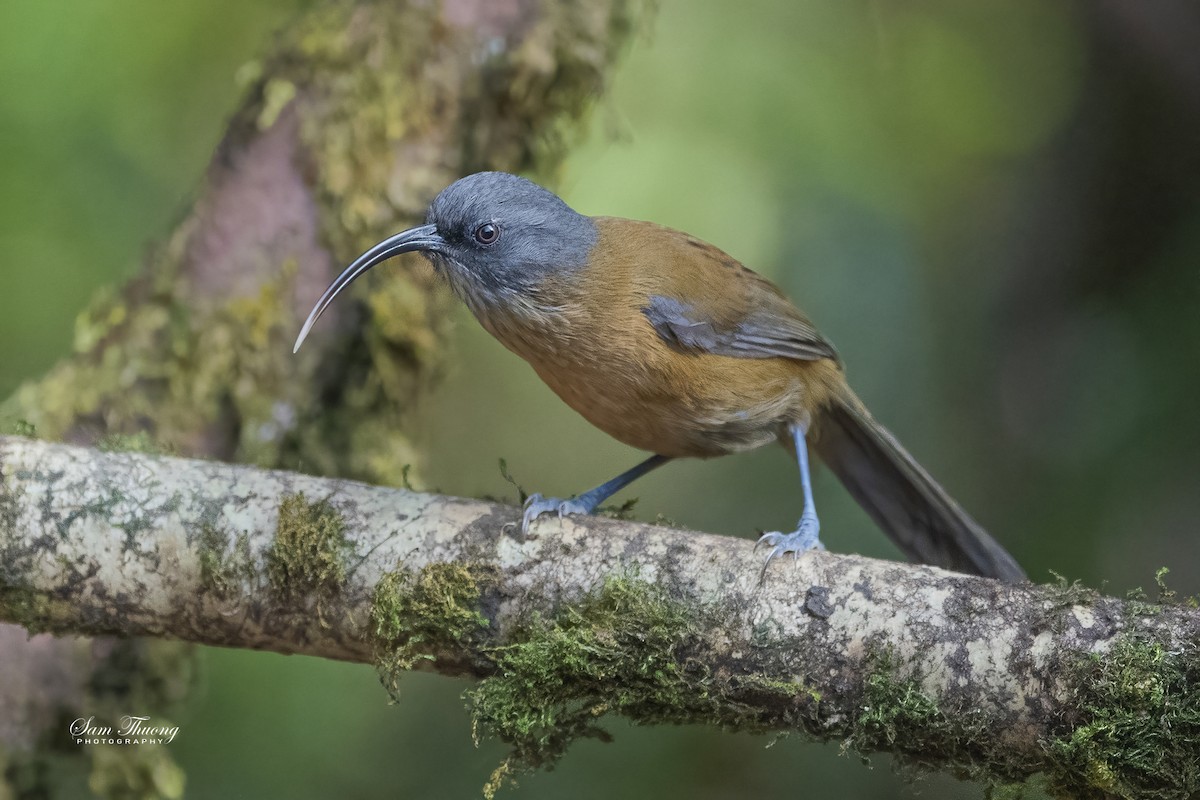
(992, 209)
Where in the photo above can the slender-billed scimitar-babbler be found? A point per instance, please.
(671, 346)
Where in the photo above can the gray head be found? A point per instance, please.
(493, 235)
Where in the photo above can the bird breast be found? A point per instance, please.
(586, 336)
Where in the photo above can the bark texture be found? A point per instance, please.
(591, 615)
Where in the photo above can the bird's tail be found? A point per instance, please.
(902, 498)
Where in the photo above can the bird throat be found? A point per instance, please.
(523, 318)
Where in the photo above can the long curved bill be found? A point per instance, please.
(423, 238)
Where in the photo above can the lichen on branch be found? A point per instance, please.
(590, 617)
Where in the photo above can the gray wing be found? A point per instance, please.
(773, 328)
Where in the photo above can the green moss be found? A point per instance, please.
(223, 569)
(20, 604)
(10, 512)
(1166, 595)
(896, 714)
(1065, 593)
(1034, 788)
(1139, 604)
(622, 649)
(139, 442)
(123, 343)
(1140, 731)
(423, 616)
(1134, 730)
(37, 612)
(625, 648)
(307, 559)
(277, 94)
(18, 427)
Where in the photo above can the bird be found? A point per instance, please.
(668, 344)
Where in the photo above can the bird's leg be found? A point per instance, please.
(805, 537)
(586, 503)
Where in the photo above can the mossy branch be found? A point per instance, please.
(592, 616)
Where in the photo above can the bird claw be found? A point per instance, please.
(801, 540)
(536, 506)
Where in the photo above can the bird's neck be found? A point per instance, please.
(525, 320)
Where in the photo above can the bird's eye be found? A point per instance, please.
(487, 233)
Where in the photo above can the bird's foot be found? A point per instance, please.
(536, 505)
(801, 540)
